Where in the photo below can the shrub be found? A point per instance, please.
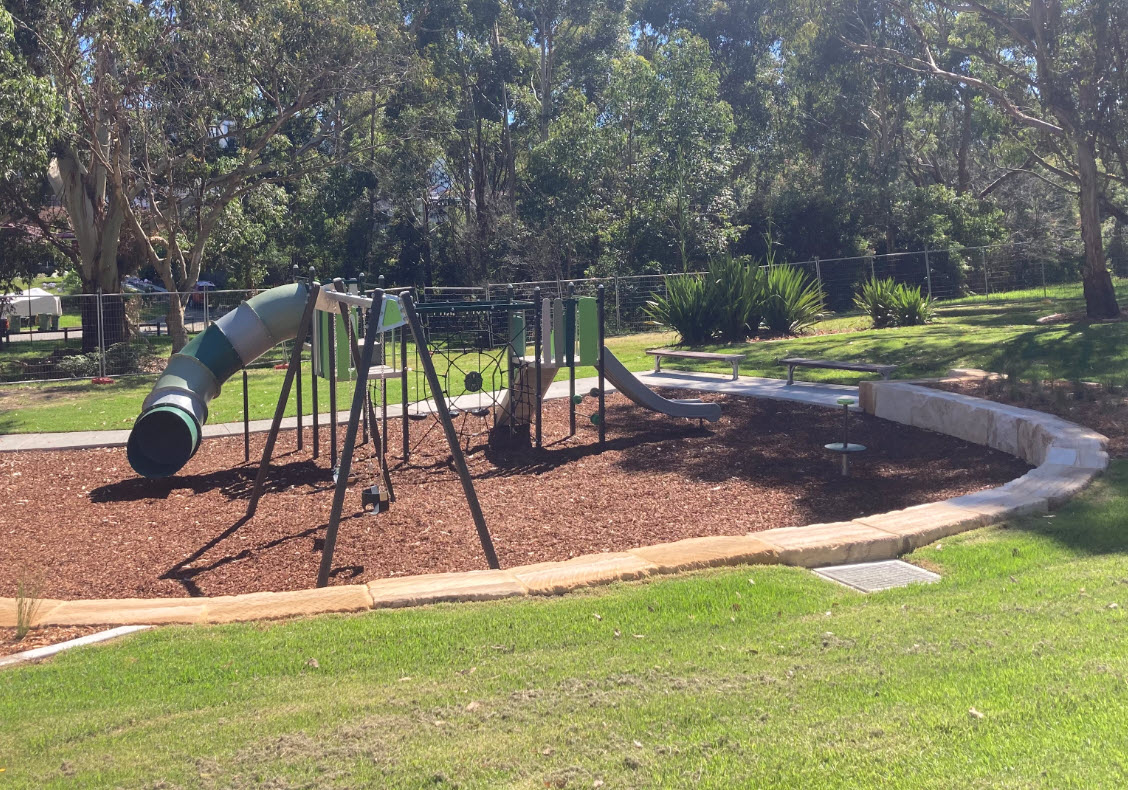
(737, 294)
(127, 356)
(877, 299)
(687, 308)
(29, 591)
(889, 304)
(79, 366)
(792, 303)
(913, 307)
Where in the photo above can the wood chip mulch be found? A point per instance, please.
(86, 525)
(41, 637)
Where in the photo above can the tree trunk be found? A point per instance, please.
(963, 169)
(1100, 297)
(175, 323)
(97, 232)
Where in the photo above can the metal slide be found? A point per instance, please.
(625, 382)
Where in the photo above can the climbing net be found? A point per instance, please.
(475, 348)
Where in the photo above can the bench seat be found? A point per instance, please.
(861, 367)
(701, 356)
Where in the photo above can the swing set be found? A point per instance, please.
(486, 373)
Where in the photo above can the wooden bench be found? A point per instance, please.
(706, 356)
(862, 367)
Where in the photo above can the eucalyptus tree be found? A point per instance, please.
(180, 108)
(1056, 69)
(29, 109)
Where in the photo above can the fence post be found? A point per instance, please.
(1044, 294)
(986, 285)
(101, 335)
(873, 274)
(818, 276)
(928, 272)
(618, 315)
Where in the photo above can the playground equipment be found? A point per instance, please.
(845, 448)
(486, 374)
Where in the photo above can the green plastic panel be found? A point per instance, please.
(587, 327)
(558, 330)
(321, 344)
(516, 337)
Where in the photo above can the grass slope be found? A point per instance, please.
(751, 677)
(994, 337)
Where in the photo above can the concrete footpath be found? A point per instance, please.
(747, 386)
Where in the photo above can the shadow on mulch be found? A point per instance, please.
(233, 483)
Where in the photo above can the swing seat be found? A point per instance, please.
(383, 372)
(376, 498)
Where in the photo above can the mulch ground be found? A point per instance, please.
(86, 525)
(41, 637)
(1091, 405)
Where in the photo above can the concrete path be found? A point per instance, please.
(748, 386)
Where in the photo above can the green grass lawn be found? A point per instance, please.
(998, 337)
(1008, 673)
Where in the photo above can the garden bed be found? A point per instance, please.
(1094, 405)
(90, 528)
(41, 637)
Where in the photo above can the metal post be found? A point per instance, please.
(355, 357)
(873, 274)
(570, 354)
(280, 409)
(1045, 295)
(618, 315)
(207, 313)
(101, 333)
(298, 374)
(313, 380)
(600, 298)
(332, 391)
(358, 402)
(928, 272)
(451, 435)
(537, 342)
(247, 421)
(986, 286)
(818, 276)
(403, 396)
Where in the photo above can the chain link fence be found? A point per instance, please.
(112, 335)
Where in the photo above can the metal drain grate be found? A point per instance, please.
(874, 576)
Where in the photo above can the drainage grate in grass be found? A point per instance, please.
(874, 576)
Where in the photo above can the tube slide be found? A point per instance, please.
(168, 432)
(625, 382)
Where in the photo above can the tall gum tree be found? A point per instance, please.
(180, 108)
(1055, 68)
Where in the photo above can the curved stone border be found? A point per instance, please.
(1067, 458)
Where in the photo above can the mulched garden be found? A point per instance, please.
(85, 526)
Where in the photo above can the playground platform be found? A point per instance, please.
(746, 386)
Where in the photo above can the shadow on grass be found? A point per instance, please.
(1094, 523)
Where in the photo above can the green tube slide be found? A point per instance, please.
(168, 432)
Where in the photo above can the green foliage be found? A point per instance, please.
(889, 304)
(737, 294)
(688, 308)
(912, 306)
(877, 299)
(792, 302)
(79, 366)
